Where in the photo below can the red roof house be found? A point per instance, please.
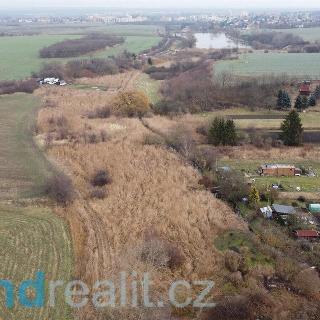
(305, 88)
(307, 234)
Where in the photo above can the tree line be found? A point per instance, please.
(77, 47)
(301, 103)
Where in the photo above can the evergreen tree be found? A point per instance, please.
(312, 101)
(280, 99)
(292, 129)
(222, 132)
(254, 196)
(298, 103)
(286, 100)
(283, 100)
(230, 136)
(216, 131)
(304, 102)
(317, 93)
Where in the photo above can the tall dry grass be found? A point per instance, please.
(152, 190)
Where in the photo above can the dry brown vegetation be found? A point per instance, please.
(152, 192)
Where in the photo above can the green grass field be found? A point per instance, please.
(258, 63)
(308, 34)
(32, 240)
(150, 87)
(250, 166)
(19, 56)
(255, 119)
(23, 167)
(61, 29)
(237, 240)
(133, 44)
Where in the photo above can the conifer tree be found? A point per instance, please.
(312, 101)
(298, 103)
(292, 129)
(254, 196)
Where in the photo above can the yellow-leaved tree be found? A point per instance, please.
(131, 104)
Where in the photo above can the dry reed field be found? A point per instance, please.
(153, 197)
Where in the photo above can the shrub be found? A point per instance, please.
(91, 67)
(308, 282)
(60, 189)
(176, 258)
(101, 178)
(204, 158)
(251, 306)
(153, 139)
(131, 104)
(50, 70)
(181, 140)
(91, 137)
(59, 125)
(100, 112)
(161, 253)
(98, 193)
(301, 199)
(232, 260)
(9, 87)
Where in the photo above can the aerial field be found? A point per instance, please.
(84, 28)
(23, 167)
(290, 184)
(133, 44)
(19, 55)
(33, 240)
(308, 34)
(258, 63)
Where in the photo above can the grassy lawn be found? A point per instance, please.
(23, 168)
(32, 240)
(259, 63)
(263, 118)
(19, 56)
(237, 240)
(150, 87)
(307, 184)
(133, 44)
(308, 34)
(123, 30)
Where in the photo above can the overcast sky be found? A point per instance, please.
(163, 3)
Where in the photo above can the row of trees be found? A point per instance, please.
(302, 102)
(77, 47)
(223, 132)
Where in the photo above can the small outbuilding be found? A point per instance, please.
(305, 88)
(314, 208)
(279, 170)
(283, 211)
(307, 234)
(266, 212)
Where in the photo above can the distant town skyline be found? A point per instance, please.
(181, 4)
